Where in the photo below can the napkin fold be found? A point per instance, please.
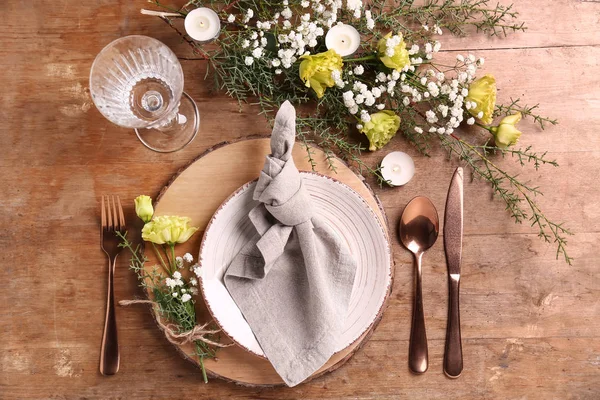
(293, 280)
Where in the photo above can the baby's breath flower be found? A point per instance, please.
(198, 271)
(286, 13)
(185, 298)
(231, 18)
(188, 258)
(364, 116)
(257, 52)
(249, 60)
(392, 51)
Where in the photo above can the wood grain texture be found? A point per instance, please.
(530, 323)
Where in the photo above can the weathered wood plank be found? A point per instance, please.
(530, 323)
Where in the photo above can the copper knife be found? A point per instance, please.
(453, 234)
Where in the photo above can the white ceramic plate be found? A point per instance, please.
(349, 216)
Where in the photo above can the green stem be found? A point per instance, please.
(487, 128)
(203, 369)
(162, 261)
(173, 262)
(365, 58)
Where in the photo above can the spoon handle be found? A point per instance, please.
(417, 351)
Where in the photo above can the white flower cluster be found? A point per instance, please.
(177, 284)
(435, 29)
(362, 95)
(355, 6)
(391, 43)
(411, 87)
(444, 118)
(295, 39)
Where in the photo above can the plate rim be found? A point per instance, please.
(380, 224)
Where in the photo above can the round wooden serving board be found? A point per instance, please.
(198, 190)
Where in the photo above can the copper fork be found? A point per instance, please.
(113, 221)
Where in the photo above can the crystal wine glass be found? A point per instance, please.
(137, 82)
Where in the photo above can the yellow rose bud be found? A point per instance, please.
(168, 230)
(482, 92)
(399, 59)
(506, 133)
(143, 207)
(381, 128)
(316, 70)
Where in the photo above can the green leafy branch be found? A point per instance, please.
(527, 111)
(170, 308)
(329, 124)
(510, 189)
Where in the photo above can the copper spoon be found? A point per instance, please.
(419, 227)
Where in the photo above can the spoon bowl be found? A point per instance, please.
(418, 229)
(419, 225)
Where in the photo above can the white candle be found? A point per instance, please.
(397, 168)
(344, 39)
(202, 24)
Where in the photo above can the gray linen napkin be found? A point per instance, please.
(293, 281)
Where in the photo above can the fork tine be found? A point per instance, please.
(121, 216)
(114, 211)
(109, 214)
(103, 214)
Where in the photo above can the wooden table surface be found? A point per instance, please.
(530, 323)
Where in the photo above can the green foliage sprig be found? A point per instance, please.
(329, 123)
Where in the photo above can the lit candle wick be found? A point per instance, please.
(396, 168)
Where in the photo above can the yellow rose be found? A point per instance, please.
(381, 128)
(399, 59)
(168, 230)
(506, 133)
(143, 208)
(483, 93)
(316, 70)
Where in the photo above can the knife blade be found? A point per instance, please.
(453, 237)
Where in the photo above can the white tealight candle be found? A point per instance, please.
(344, 39)
(397, 168)
(202, 24)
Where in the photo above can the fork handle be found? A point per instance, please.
(109, 352)
(453, 358)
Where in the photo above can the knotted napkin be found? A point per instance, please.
(293, 280)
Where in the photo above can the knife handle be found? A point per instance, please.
(417, 350)
(453, 359)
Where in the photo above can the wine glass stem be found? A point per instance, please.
(152, 101)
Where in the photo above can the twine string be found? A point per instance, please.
(198, 332)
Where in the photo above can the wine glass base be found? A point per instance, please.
(178, 134)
